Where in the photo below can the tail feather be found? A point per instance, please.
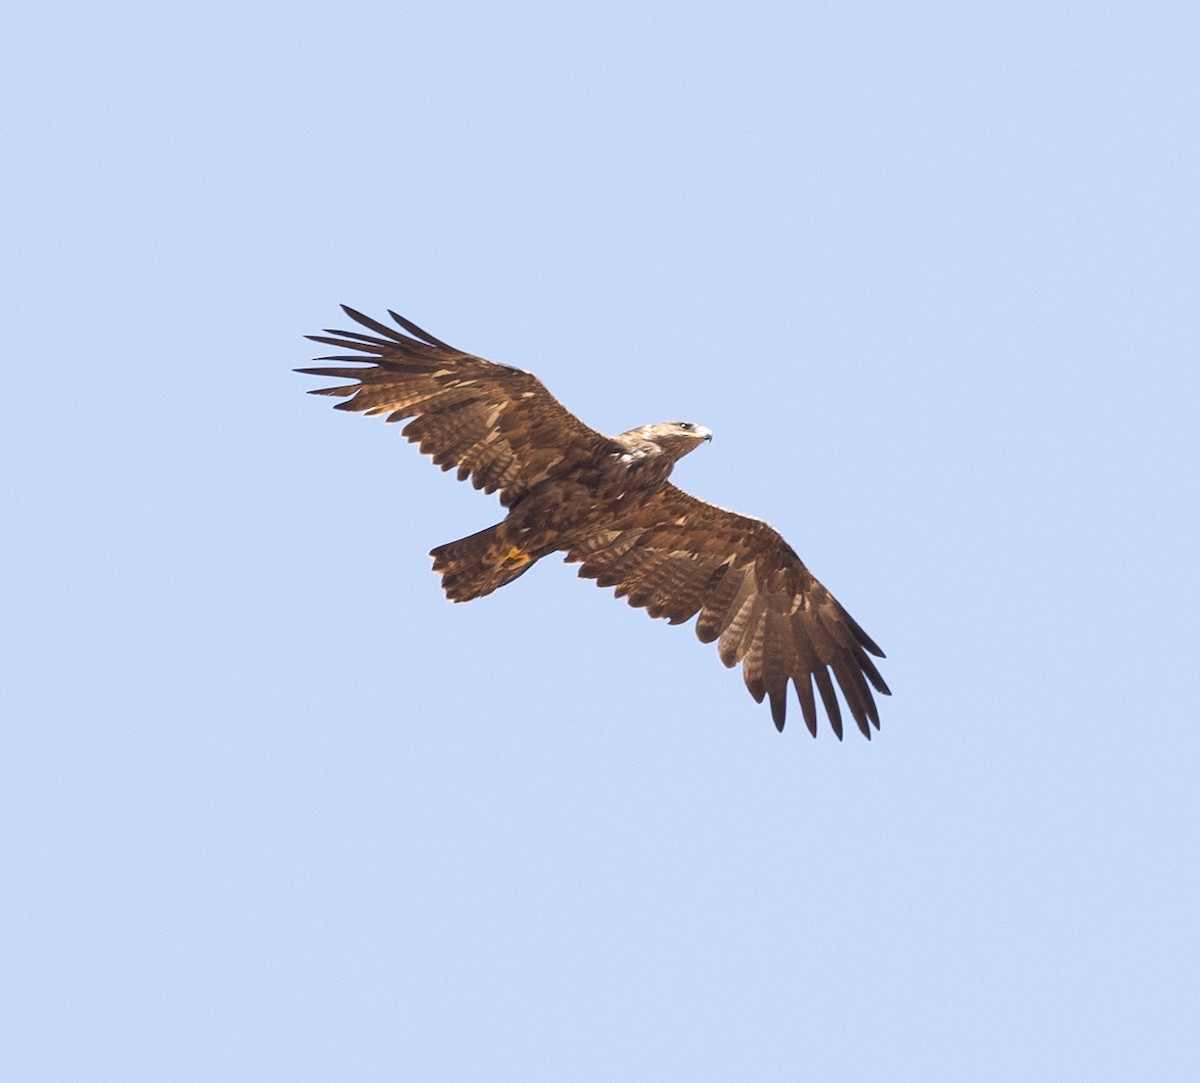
(481, 563)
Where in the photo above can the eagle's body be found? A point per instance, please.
(606, 502)
(566, 511)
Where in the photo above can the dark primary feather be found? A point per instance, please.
(499, 425)
(682, 557)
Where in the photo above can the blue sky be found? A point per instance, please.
(274, 809)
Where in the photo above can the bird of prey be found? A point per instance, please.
(606, 503)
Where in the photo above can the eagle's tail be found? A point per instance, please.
(477, 565)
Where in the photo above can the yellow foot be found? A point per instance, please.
(516, 558)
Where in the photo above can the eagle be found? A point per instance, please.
(607, 504)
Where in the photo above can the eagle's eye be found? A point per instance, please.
(687, 426)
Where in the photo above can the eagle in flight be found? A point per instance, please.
(606, 503)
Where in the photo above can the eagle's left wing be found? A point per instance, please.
(497, 424)
(679, 556)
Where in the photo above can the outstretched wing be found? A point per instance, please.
(498, 425)
(679, 556)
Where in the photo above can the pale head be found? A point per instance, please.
(676, 438)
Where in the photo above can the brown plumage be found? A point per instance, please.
(606, 503)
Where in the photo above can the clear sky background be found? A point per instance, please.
(274, 809)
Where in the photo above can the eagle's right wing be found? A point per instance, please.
(498, 425)
(678, 556)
